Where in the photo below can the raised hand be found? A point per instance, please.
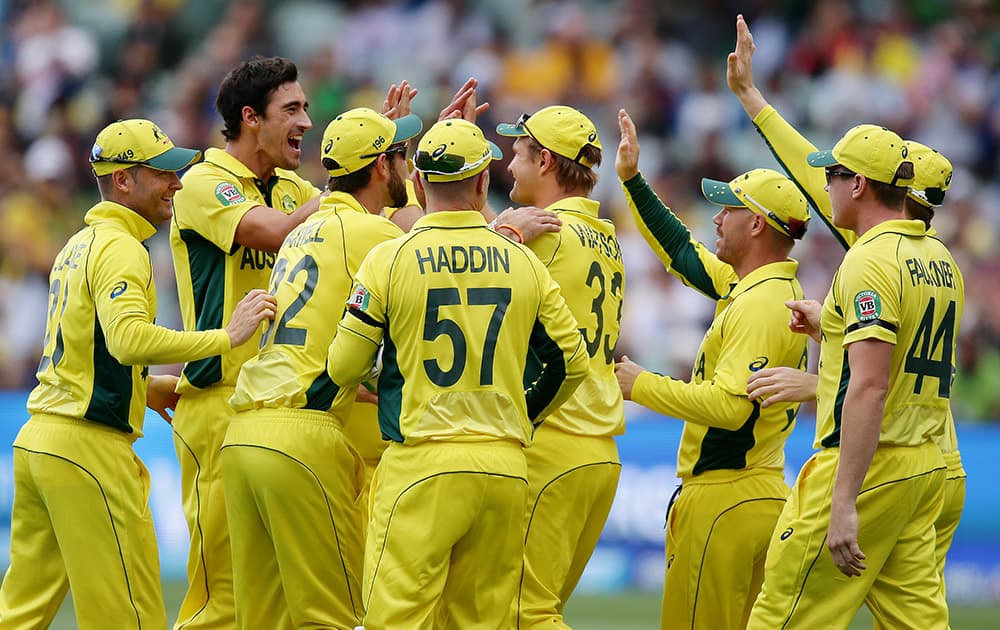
(463, 103)
(739, 70)
(627, 160)
(397, 100)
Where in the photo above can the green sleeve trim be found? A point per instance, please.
(656, 221)
(809, 198)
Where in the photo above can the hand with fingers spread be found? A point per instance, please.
(254, 308)
(463, 103)
(842, 539)
(805, 317)
(530, 221)
(781, 384)
(161, 395)
(397, 100)
(627, 160)
(627, 371)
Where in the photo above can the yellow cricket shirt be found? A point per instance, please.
(790, 148)
(722, 428)
(900, 286)
(213, 271)
(99, 334)
(457, 307)
(312, 279)
(585, 259)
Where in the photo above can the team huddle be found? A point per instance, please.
(398, 409)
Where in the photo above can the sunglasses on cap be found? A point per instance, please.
(831, 173)
(446, 163)
(399, 148)
(793, 228)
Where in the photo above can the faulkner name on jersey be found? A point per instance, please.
(463, 259)
(936, 273)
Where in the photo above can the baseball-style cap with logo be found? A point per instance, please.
(931, 174)
(560, 129)
(354, 139)
(453, 150)
(873, 151)
(764, 192)
(125, 143)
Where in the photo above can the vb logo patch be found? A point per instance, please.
(118, 289)
(228, 194)
(867, 306)
(359, 299)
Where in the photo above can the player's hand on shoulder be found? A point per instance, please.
(780, 384)
(255, 307)
(627, 159)
(626, 371)
(530, 221)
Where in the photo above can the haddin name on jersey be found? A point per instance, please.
(463, 259)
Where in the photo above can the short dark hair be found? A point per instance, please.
(251, 84)
(569, 174)
(888, 195)
(916, 210)
(352, 181)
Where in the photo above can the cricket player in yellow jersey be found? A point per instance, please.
(731, 458)
(231, 217)
(932, 177)
(81, 516)
(573, 464)
(457, 307)
(865, 505)
(293, 483)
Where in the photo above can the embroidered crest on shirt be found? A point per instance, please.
(867, 306)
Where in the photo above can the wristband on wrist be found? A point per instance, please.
(517, 232)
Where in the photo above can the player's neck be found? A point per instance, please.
(550, 194)
(248, 152)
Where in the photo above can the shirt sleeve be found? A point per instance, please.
(790, 149)
(352, 352)
(558, 344)
(871, 298)
(673, 244)
(120, 275)
(704, 403)
(212, 203)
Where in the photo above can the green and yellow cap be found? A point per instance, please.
(355, 138)
(764, 192)
(558, 128)
(453, 150)
(931, 175)
(126, 143)
(873, 151)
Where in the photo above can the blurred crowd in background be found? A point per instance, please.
(928, 69)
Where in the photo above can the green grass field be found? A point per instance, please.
(628, 611)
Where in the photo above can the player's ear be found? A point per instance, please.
(250, 116)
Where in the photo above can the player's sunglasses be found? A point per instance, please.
(831, 173)
(446, 163)
(399, 148)
(116, 160)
